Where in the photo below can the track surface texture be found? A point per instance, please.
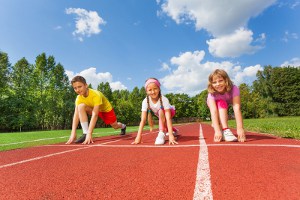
(264, 167)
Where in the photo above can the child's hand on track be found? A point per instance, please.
(172, 139)
(218, 137)
(241, 135)
(136, 141)
(71, 139)
(88, 139)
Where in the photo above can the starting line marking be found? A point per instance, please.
(175, 146)
(107, 144)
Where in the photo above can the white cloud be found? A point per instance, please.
(191, 74)
(287, 36)
(289, 4)
(94, 78)
(87, 22)
(245, 75)
(221, 19)
(295, 62)
(233, 45)
(165, 67)
(217, 17)
(295, 4)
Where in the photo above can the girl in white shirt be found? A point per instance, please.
(158, 104)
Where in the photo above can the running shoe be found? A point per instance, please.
(160, 139)
(123, 131)
(228, 136)
(81, 139)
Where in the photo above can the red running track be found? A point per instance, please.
(264, 167)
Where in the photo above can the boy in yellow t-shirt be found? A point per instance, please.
(94, 103)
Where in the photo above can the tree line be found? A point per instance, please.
(39, 96)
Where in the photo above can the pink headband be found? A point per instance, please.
(151, 80)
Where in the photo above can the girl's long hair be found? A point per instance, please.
(149, 110)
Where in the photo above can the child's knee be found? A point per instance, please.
(81, 106)
(161, 113)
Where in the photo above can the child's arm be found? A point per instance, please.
(236, 105)
(74, 127)
(215, 119)
(138, 137)
(92, 125)
(170, 126)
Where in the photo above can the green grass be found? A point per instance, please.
(17, 140)
(288, 127)
(281, 126)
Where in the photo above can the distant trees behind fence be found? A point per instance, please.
(39, 96)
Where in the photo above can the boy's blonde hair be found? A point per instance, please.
(220, 73)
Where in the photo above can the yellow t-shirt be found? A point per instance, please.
(93, 99)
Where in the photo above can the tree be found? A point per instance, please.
(203, 109)
(41, 81)
(279, 88)
(183, 105)
(286, 90)
(4, 88)
(22, 108)
(4, 73)
(58, 91)
(106, 90)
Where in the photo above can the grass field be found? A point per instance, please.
(288, 127)
(18, 140)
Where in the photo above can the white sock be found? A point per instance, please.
(85, 127)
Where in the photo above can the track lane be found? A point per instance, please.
(264, 167)
(101, 172)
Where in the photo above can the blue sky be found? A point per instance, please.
(180, 42)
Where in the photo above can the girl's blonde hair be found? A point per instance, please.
(220, 73)
(149, 111)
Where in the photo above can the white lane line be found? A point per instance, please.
(41, 157)
(58, 153)
(175, 146)
(203, 183)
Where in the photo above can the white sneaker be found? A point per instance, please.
(160, 139)
(228, 136)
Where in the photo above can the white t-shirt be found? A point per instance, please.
(156, 107)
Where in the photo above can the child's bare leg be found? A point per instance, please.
(223, 117)
(162, 120)
(116, 125)
(223, 113)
